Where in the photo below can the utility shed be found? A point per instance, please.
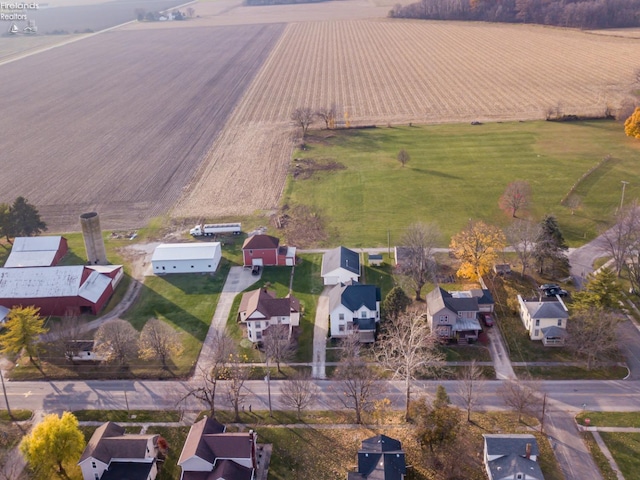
(36, 251)
(186, 258)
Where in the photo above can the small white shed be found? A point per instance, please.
(186, 258)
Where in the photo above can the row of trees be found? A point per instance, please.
(20, 219)
(304, 117)
(579, 14)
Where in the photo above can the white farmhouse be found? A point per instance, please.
(354, 307)
(545, 319)
(260, 308)
(340, 265)
(186, 258)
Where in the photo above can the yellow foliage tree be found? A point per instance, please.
(55, 444)
(23, 329)
(477, 247)
(632, 124)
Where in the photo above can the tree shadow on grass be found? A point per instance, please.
(435, 173)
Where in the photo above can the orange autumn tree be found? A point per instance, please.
(477, 247)
(632, 124)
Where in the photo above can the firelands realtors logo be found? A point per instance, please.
(16, 11)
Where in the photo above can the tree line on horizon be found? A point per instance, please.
(584, 14)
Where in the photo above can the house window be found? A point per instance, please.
(341, 316)
(209, 266)
(363, 314)
(536, 333)
(560, 322)
(258, 335)
(537, 322)
(258, 325)
(250, 252)
(93, 465)
(341, 328)
(459, 314)
(519, 476)
(96, 476)
(444, 318)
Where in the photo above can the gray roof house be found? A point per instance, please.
(453, 316)
(354, 307)
(380, 458)
(112, 454)
(340, 265)
(545, 319)
(210, 453)
(511, 457)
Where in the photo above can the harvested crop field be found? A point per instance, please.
(399, 71)
(119, 122)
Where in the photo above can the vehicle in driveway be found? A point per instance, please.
(547, 286)
(552, 292)
(487, 319)
(255, 270)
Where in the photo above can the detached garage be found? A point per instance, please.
(186, 258)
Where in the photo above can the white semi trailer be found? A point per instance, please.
(210, 229)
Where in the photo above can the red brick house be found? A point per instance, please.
(265, 250)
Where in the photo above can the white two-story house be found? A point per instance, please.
(260, 308)
(545, 319)
(354, 307)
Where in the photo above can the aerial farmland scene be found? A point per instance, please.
(347, 239)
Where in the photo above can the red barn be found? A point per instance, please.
(265, 250)
(59, 290)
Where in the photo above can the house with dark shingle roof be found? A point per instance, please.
(545, 319)
(380, 458)
(354, 307)
(260, 308)
(340, 265)
(210, 453)
(265, 250)
(113, 454)
(511, 457)
(454, 315)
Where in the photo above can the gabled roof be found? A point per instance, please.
(380, 458)
(224, 469)
(340, 257)
(509, 465)
(354, 295)
(265, 302)
(128, 470)
(438, 298)
(194, 445)
(506, 444)
(260, 242)
(110, 441)
(185, 251)
(554, 332)
(33, 251)
(539, 309)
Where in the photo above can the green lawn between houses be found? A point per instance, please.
(458, 172)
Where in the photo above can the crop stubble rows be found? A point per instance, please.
(382, 70)
(119, 122)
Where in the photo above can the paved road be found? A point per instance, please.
(582, 258)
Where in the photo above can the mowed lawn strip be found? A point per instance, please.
(625, 448)
(458, 172)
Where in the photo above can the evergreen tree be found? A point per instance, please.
(395, 302)
(550, 247)
(22, 220)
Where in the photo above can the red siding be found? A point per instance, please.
(269, 256)
(62, 251)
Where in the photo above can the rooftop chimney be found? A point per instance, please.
(528, 451)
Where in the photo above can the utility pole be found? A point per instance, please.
(4, 390)
(544, 407)
(268, 379)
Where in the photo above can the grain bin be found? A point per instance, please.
(93, 241)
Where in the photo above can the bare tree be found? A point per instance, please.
(299, 392)
(328, 115)
(624, 236)
(418, 246)
(222, 349)
(522, 235)
(521, 397)
(277, 344)
(516, 197)
(356, 380)
(592, 336)
(303, 118)
(470, 386)
(238, 373)
(116, 341)
(61, 335)
(406, 346)
(159, 340)
(403, 157)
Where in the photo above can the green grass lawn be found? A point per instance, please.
(610, 419)
(625, 448)
(458, 172)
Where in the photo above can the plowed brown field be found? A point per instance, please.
(397, 71)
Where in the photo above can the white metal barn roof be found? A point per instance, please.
(185, 251)
(33, 251)
(47, 282)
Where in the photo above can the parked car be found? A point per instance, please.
(547, 286)
(255, 270)
(552, 292)
(487, 319)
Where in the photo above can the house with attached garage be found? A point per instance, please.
(340, 265)
(454, 315)
(511, 457)
(354, 307)
(265, 251)
(260, 308)
(380, 458)
(112, 454)
(210, 453)
(545, 319)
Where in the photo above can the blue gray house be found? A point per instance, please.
(512, 457)
(354, 307)
(380, 458)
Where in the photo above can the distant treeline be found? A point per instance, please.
(279, 2)
(585, 14)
